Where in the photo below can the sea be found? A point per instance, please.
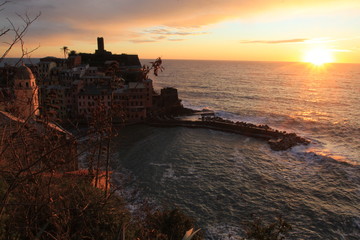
(225, 180)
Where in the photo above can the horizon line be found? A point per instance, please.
(192, 59)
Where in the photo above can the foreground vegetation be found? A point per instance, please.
(43, 195)
(72, 209)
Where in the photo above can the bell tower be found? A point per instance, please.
(26, 93)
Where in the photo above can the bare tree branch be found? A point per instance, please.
(2, 4)
(4, 32)
(19, 33)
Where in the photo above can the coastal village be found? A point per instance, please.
(73, 89)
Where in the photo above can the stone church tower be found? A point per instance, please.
(26, 93)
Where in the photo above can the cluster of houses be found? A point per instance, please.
(77, 88)
(35, 98)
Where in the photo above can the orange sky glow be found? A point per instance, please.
(258, 30)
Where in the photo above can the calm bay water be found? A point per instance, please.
(224, 180)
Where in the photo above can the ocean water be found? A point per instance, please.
(224, 180)
(319, 103)
(14, 61)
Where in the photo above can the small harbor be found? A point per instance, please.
(277, 140)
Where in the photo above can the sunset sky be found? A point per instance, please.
(256, 30)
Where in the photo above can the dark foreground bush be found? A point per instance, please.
(48, 207)
(168, 224)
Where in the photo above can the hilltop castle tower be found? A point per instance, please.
(101, 47)
(100, 42)
(26, 93)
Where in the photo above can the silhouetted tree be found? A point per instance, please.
(65, 50)
(156, 67)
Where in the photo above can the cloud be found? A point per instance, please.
(323, 40)
(165, 33)
(143, 40)
(79, 20)
(176, 39)
(160, 37)
(296, 40)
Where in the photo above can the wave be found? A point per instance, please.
(319, 153)
(223, 231)
(126, 185)
(188, 104)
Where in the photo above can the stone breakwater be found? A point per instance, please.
(278, 140)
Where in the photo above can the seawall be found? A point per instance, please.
(277, 140)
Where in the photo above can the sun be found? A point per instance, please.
(318, 56)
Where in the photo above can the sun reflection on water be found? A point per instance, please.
(311, 115)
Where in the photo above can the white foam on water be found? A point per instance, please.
(188, 104)
(160, 164)
(236, 117)
(223, 231)
(126, 186)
